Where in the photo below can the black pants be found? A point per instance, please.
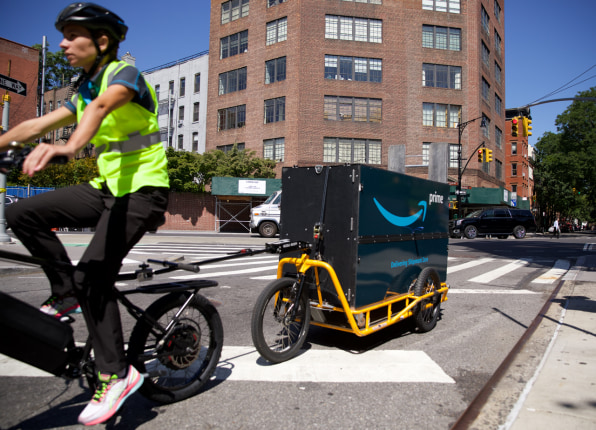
(120, 222)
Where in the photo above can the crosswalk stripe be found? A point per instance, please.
(558, 270)
(227, 273)
(468, 265)
(496, 273)
(489, 291)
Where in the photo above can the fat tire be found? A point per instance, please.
(288, 336)
(426, 317)
(174, 377)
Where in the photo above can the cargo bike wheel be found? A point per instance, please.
(426, 313)
(280, 320)
(181, 363)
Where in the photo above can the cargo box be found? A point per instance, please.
(379, 228)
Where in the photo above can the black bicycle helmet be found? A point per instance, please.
(92, 17)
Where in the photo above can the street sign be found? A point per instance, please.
(13, 85)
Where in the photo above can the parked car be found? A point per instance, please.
(499, 222)
(265, 217)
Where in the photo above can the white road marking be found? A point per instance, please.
(473, 291)
(227, 273)
(487, 277)
(336, 366)
(558, 270)
(468, 265)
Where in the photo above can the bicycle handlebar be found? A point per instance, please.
(18, 152)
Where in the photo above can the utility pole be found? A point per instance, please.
(461, 126)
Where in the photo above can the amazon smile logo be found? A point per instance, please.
(405, 221)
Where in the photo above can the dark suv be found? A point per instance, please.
(500, 222)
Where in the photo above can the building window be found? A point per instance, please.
(197, 82)
(513, 169)
(232, 117)
(485, 90)
(344, 150)
(274, 149)
(181, 113)
(498, 43)
(277, 31)
(453, 156)
(498, 137)
(275, 110)
(441, 37)
(485, 54)
(498, 11)
(180, 141)
(157, 88)
(440, 115)
(498, 104)
(485, 20)
(352, 109)
(497, 73)
(486, 130)
(498, 169)
(182, 90)
(425, 153)
(233, 9)
(451, 6)
(233, 44)
(356, 29)
(232, 81)
(195, 112)
(275, 70)
(440, 76)
(228, 148)
(353, 68)
(271, 3)
(171, 88)
(513, 148)
(195, 142)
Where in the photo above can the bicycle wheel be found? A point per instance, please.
(179, 364)
(276, 335)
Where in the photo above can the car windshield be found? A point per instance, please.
(270, 198)
(474, 214)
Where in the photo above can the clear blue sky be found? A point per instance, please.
(547, 42)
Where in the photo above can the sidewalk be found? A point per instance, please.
(551, 382)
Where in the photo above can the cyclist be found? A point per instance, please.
(116, 111)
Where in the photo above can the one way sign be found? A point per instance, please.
(13, 85)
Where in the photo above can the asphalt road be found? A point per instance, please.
(426, 380)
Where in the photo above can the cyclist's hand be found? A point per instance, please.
(39, 158)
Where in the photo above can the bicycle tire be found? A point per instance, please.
(275, 337)
(427, 311)
(171, 375)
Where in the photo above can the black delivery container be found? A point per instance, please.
(380, 228)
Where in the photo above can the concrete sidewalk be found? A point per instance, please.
(551, 381)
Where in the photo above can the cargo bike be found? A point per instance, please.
(369, 250)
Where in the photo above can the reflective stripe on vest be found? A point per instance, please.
(134, 143)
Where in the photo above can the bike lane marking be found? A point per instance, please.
(239, 363)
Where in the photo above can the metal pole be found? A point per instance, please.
(4, 238)
(43, 74)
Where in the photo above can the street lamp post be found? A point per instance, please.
(461, 126)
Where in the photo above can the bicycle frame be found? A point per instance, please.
(359, 320)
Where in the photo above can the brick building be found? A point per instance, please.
(340, 81)
(21, 63)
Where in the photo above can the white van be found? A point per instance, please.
(265, 217)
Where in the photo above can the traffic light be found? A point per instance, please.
(481, 155)
(526, 127)
(489, 155)
(514, 123)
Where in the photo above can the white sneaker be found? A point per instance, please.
(109, 396)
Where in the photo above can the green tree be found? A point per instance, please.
(193, 172)
(72, 173)
(59, 72)
(564, 173)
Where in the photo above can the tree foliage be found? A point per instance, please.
(565, 176)
(57, 176)
(59, 72)
(193, 172)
